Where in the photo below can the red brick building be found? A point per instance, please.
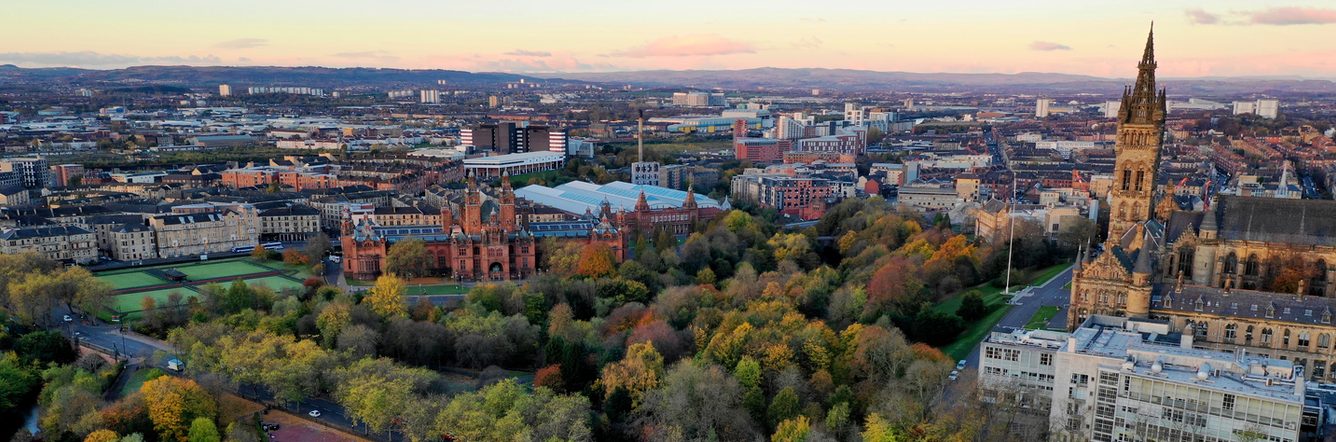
(486, 241)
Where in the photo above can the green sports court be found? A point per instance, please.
(160, 281)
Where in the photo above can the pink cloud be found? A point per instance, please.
(687, 46)
(1049, 46)
(1293, 16)
(1201, 17)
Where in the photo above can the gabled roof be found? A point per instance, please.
(1289, 221)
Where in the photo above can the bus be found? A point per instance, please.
(274, 246)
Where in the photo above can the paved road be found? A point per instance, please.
(1052, 293)
(126, 344)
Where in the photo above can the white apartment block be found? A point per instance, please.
(1120, 379)
(1265, 108)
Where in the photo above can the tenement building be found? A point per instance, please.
(1246, 274)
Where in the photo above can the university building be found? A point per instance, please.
(1246, 274)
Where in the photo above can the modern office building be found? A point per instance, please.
(32, 171)
(511, 137)
(1120, 379)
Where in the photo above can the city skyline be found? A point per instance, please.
(1219, 39)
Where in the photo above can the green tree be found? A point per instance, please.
(876, 429)
(972, 307)
(174, 404)
(784, 406)
(202, 429)
(408, 258)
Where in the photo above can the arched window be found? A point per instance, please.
(1199, 329)
(1318, 285)
(1122, 210)
(1253, 266)
(1303, 340)
(1141, 179)
(1231, 332)
(1127, 179)
(1266, 336)
(1185, 258)
(1231, 266)
(1285, 340)
(1323, 340)
(1248, 335)
(1136, 210)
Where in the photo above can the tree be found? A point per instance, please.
(972, 307)
(102, 436)
(784, 406)
(696, 402)
(44, 347)
(876, 429)
(375, 400)
(202, 429)
(292, 256)
(637, 373)
(408, 258)
(331, 321)
(316, 247)
(173, 405)
(596, 260)
(259, 253)
(387, 297)
(792, 430)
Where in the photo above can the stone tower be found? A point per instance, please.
(1140, 132)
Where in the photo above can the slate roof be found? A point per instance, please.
(41, 232)
(1290, 221)
(1250, 304)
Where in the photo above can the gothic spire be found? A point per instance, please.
(1143, 104)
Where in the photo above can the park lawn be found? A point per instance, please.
(131, 302)
(223, 269)
(1041, 317)
(276, 283)
(129, 280)
(138, 378)
(997, 304)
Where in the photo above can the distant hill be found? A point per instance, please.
(259, 75)
(851, 80)
(862, 80)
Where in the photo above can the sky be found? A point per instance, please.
(1092, 37)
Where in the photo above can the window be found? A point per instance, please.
(1231, 332)
(1141, 177)
(1228, 403)
(1323, 340)
(1303, 340)
(1045, 359)
(1266, 336)
(1127, 179)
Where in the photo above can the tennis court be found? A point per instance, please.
(133, 302)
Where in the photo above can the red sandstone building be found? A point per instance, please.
(487, 241)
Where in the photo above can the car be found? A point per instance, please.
(955, 374)
(314, 413)
(68, 318)
(961, 365)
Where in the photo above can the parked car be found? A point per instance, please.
(961, 365)
(955, 374)
(314, 413)
(68, 318)
(176, 365)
